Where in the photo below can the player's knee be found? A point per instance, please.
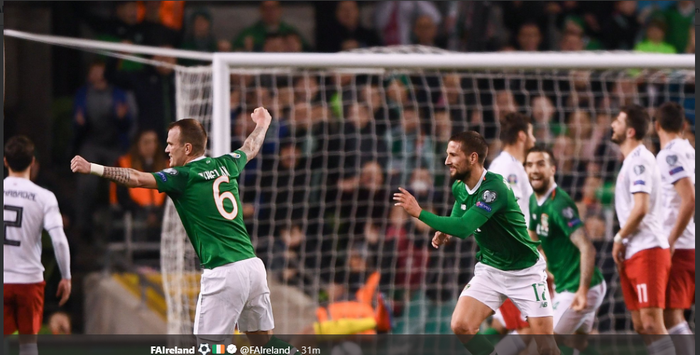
(462, 327)
(651, 325)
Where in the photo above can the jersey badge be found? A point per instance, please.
(639, 182)
(568, 213)
(489, 196)
(170, 171)
(672, 159)
(236, 155)
(543, 227)
(512, 179)
(464, 207)
(534, 216)
(639, 169)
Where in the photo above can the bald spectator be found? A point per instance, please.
(394, 19)
(252, 39)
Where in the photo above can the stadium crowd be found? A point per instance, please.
(319, 198)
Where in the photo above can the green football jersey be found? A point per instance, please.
(205, 194)
(503, 239)
(554, 222)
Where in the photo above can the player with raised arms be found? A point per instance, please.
(509, 264)
(204, 190)
(676, 162)
(640, 248)
(27, 210)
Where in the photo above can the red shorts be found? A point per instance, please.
(680, 293)
(24, 307)
(511, 316)
(644, 277)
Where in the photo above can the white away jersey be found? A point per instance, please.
(513, 171)
(676, 161)
(639, 174)
(27, 210)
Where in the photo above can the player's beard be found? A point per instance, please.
(462, 175)
(544, 187)
(618, 139)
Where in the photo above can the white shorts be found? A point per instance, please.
(567, 321)
(527, 288)
(234, 293)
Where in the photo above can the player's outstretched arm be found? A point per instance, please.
(254, 142)
(125, 176)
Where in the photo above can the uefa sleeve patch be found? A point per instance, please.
(574, 222)
(676, 170)
(483, 206)
(162, 176)
(639, 182)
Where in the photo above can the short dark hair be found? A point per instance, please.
(472, 142)
(539, 148)
(192, 132)
(637, 118)
(19, 152)
(671, 117)
(512, 124)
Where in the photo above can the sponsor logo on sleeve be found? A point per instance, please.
(676, 170)
(672, 159)
(639, 169)
(574, 222)
(162, 176)
(489, 196)
(483, 206)
(639, 182)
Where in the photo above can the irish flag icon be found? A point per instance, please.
(219, 349)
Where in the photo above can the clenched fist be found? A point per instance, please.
(79, 165)
(261, 117)
(439, 239)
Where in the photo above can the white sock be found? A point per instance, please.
(28, 349)
(663, 346)
(683, 343)
(512, 344)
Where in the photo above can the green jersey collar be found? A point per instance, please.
(481, 179)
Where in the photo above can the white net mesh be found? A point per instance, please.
(317, 201)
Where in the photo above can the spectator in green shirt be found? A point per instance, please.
(654, 42)
(252, 39)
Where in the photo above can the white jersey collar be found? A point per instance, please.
(196, 159)
(544, 198)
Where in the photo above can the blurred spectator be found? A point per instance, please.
(156, 32)
(253, 38)
(146, 154)
(394, 19)
(571, 42)
(622, 30)
(654, 42)
(543, 114)
(473, 26)
(691, 41)
(101, 118)
(425, 32)
(199, 36)
(367, 199)
(293, 43)
(168, 13)
(580, 129)
(529, 37)
(678, 19)
(411, 147)
(346, 32)
(575, 25)
(274, 43)
(154, 90)
(306, 89)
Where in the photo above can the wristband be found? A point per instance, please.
(97, 169)
(618, 239)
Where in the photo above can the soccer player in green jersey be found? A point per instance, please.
(205, 193)
(509, 264)
(555, 222)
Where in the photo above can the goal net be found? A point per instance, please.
(349, 129)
